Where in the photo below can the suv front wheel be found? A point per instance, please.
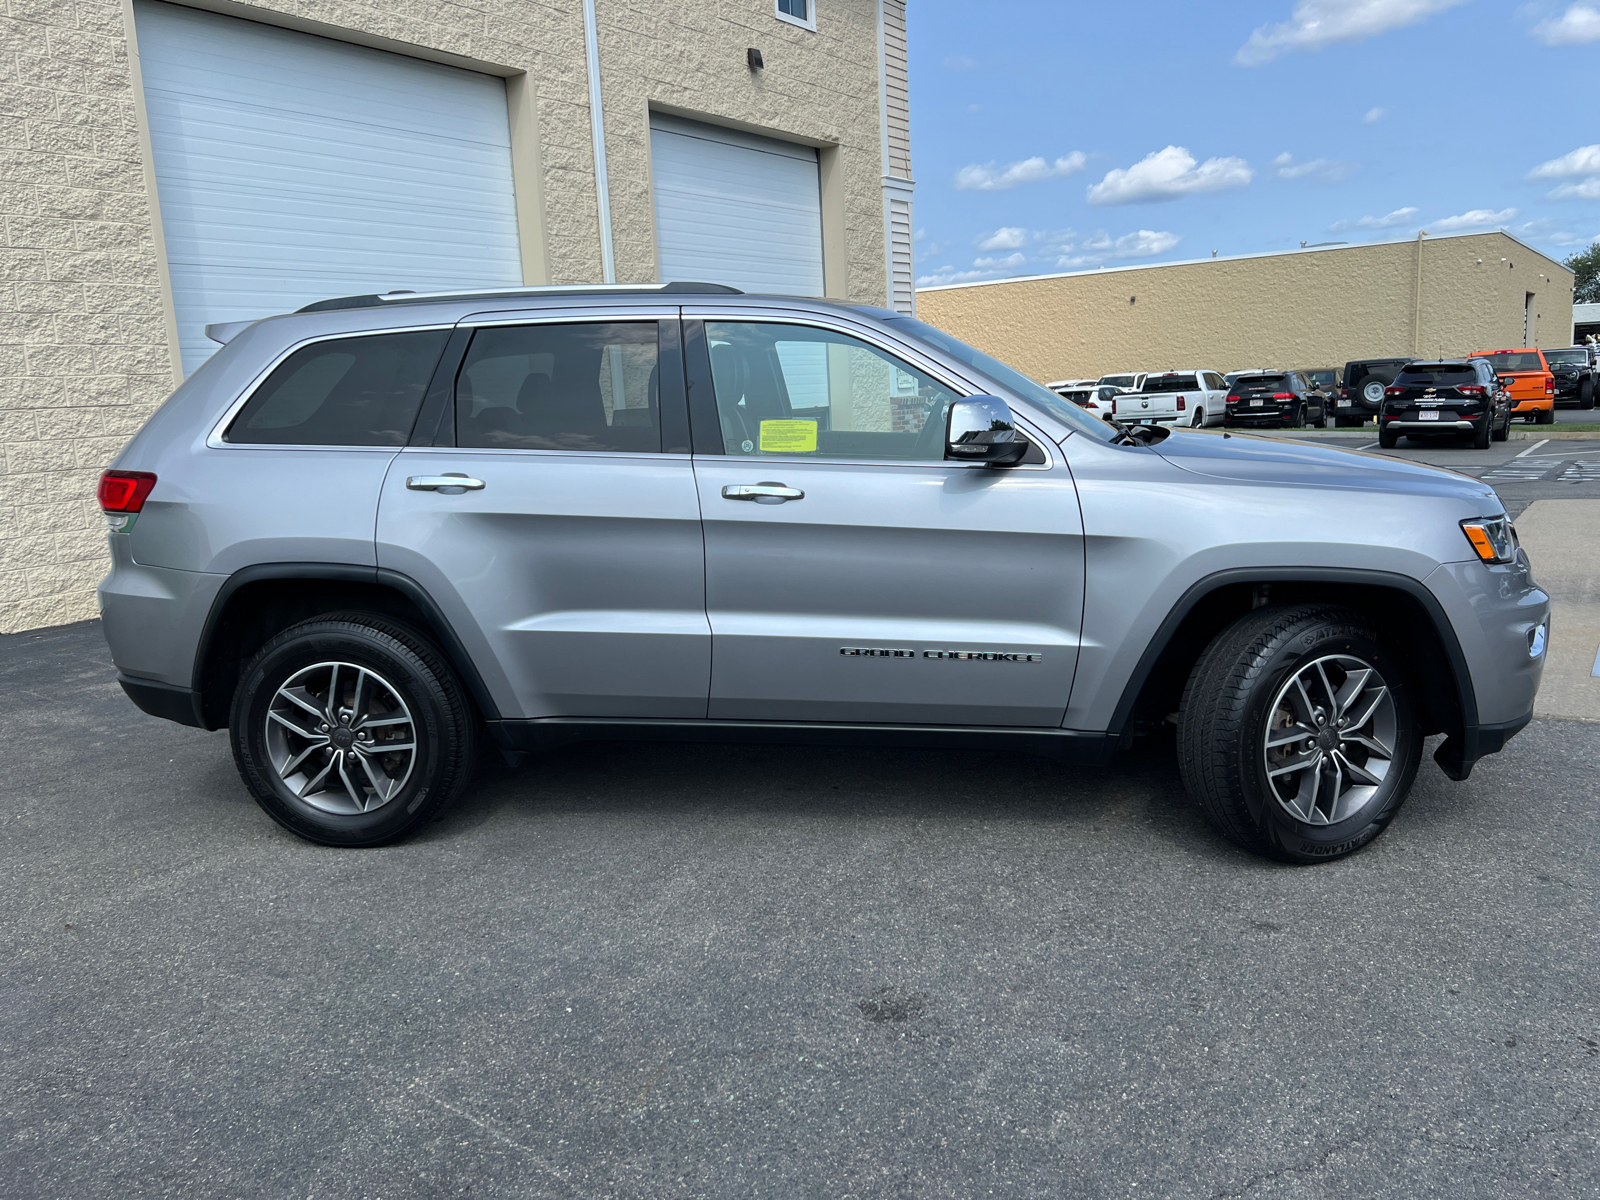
(1297, 734)
(352, 730)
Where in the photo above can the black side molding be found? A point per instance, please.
(547, 733)
(1456, 756)
(165, 700)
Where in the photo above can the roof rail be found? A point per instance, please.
(402, 296)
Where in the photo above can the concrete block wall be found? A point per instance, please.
(86, 352)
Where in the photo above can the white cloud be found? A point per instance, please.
(1477, 218)
(1009, 263)
(1400, 216)
(1315, 24)
(1589, 189)
(1007, 237)
(1374, 115)
(1325, 169)
(1101, 247)
(1578, 26)
(1585, 160)
(1168, 174)
(1551, 233)
(990, 178)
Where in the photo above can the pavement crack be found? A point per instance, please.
(1298, 1169)
(488, 1127)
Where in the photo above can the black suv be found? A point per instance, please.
(1361, 395)
(1282, 399)
(1576, 374)
(1446, 398)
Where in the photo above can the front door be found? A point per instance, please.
(569, 559)
(865, 579)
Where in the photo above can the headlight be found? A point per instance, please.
(1491, 538)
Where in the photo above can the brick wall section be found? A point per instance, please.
(83, 348)
(84, 356)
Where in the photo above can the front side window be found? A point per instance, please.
(796, 390)
(357, 391)
(583, 386)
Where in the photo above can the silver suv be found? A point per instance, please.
(365, 535)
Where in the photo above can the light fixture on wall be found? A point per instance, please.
(753, 59)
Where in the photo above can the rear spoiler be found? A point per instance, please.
(224, 332)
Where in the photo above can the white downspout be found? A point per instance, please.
(597, 130)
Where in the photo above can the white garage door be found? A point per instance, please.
(291, 168)
(737, 209)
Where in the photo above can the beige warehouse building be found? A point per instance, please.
(1318, 307)
(173, 165)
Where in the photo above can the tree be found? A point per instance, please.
(1585, 264)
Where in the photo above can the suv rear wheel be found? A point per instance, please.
(1297, 734)
(352, 730)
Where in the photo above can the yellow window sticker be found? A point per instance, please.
(788, 437)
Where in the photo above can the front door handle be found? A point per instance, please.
(766, 492)
(451, 483)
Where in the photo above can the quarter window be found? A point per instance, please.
(359, 391)
(588, 386)
(793, 390)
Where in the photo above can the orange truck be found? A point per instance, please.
(1529, 380)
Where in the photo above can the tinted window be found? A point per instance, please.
(1121, 381)
(1442, 375)
(1170, 383)
(1322, 378)
(359, 391)
(1502, 363)
(1571, 358)
(561, 387)
(796, 390)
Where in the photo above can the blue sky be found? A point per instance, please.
(1054, 137)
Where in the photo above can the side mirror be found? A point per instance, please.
(981, 429)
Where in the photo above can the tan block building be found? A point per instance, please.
(169, 166)
(1319, 307)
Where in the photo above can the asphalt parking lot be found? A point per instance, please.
(646, 971)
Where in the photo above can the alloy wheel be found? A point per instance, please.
(1330, 740)
(341, 738)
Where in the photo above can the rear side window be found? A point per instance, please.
(583, 386)
(358, 391)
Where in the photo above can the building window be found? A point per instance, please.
(798, 12)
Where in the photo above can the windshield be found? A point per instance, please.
(1569, 358)
(1068, 413)
(1324, 378)
(1170, 383)
(1514, 361)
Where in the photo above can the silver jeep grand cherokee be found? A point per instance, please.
(364, 535)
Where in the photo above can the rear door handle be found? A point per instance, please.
(452, 483)
(768, 491)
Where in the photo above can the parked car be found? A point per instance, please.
(1446, 398)
(1279, 399)
(1076, 390)
(1328, 382)
(1361, 393)
(1528, 377)
(1188, 397)
(1576, 373)
(1128, 381)
(1232, 377)
(371, 533)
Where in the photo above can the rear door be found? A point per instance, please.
(853, 575)
(569, 559)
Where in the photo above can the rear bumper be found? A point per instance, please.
(1435, 426)
(1519, 407)
(1352, 412)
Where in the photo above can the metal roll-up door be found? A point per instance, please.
(736, 208)
(291, 168)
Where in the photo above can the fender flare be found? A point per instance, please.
(441, 628)
(1122, 715)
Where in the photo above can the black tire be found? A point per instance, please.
(1503, 431)
(1480, 435)
(412, 677)
(1547, 416)
(1388, 439)
(1231, 706)
(1586, 394)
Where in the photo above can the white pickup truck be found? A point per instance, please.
(1186, 397)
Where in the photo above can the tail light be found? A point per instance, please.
(122, 495)
(1283, 395)
(1471, 389)
(1394, 391)
(1549, 385)
(1180, 403)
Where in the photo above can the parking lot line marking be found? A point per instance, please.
(1368, 446)
(1533, 447)
(1596, 670)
